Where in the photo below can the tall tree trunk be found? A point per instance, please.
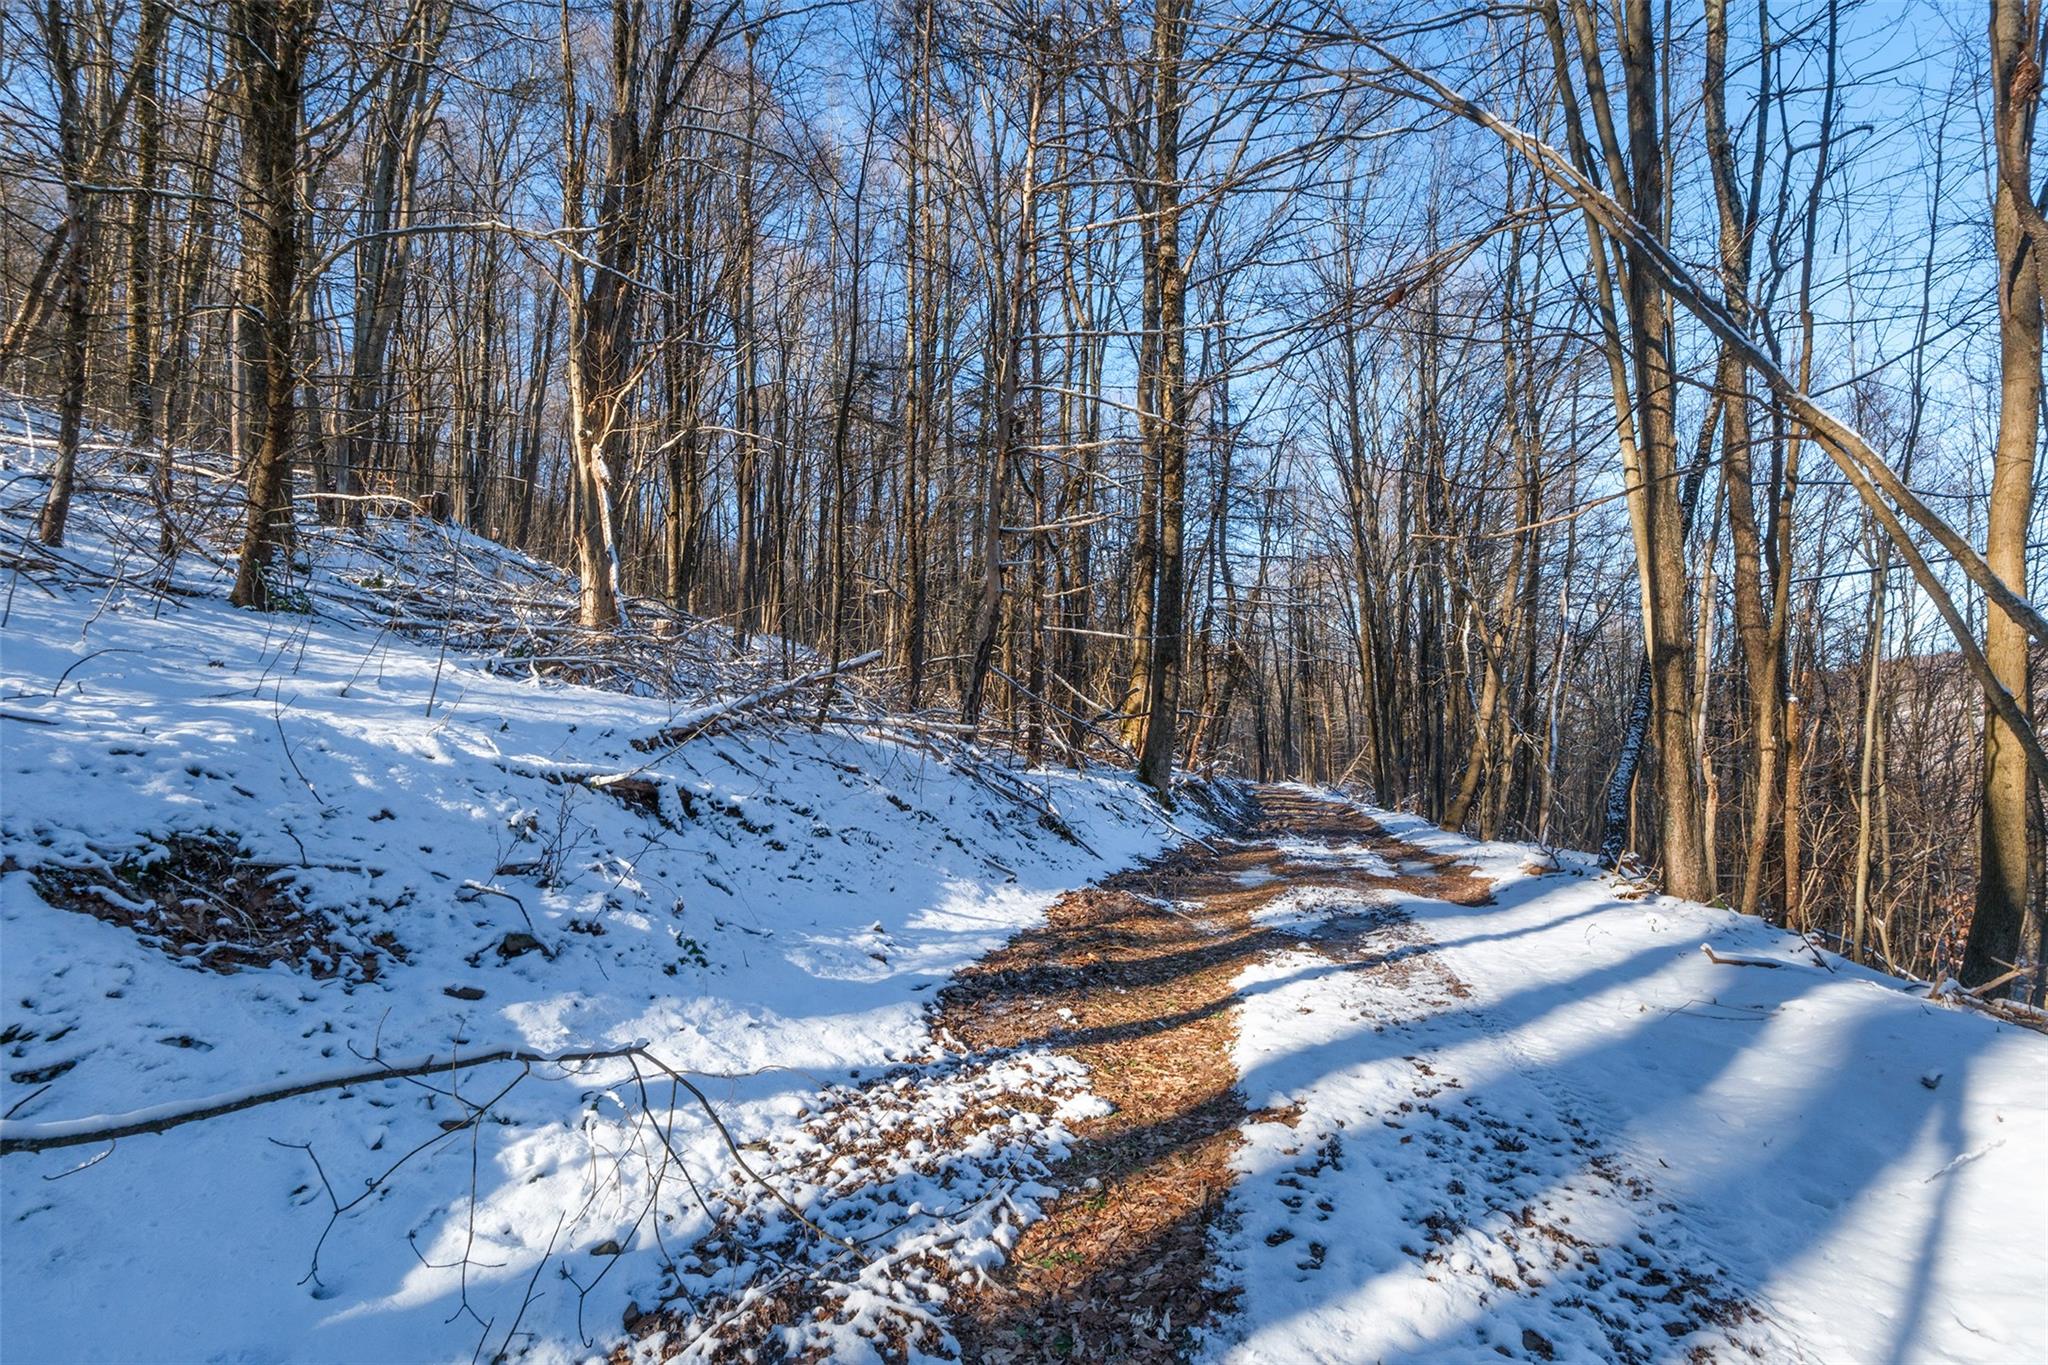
(59, 42)
(380, 274)
(839, 588)
(1168, 438)
(142, 304)
(1765, 685)
(682, 527)
(1009, 363)
(270, 43)
(920, 350)
(752, 609)
(1666, 586)
(2003, 863)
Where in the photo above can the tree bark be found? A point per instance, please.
(58, 39)
(271, 39)
(1168, 435)
(2003, 860)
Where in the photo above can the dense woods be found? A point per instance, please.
(1611, 425)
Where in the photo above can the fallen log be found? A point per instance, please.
(689, 724)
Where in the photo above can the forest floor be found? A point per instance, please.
(844, 1040)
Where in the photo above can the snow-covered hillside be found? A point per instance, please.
(245, 851)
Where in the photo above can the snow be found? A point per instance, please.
(1302, 910)
(773, 929)
(1551, 1127)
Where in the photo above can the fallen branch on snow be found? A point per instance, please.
(1979, 992)
(1740, 959)
(18, 1136)
(689, 724)
(22, 1136)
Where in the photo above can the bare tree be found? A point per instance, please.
(269, 45)
(2018, 41)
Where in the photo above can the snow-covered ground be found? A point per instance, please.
(1551, 1127)
(245, 851)
(766, 911)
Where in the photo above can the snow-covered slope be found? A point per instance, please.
(242, 852)
(1551, 1127)
(247, 850)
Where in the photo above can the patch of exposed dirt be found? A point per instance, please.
(1503, 1193)
(1134, 979)
(1108, 1254)
(200, 899)
(905, 1179)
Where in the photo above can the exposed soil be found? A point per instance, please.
(201, 900)
(1134, 979)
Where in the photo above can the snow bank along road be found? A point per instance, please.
(238, 852)
(1544, 1125)
(1342, 1088)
